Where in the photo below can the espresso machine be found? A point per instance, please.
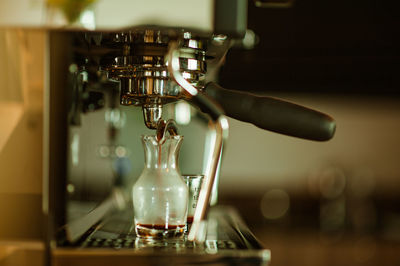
(106, 56)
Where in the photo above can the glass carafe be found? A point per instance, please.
(160, 196)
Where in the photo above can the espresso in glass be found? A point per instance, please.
(160, 196)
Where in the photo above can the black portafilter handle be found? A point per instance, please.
(273, 114)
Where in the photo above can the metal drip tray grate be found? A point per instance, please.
(113, 241)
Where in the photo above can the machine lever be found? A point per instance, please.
(274, 114)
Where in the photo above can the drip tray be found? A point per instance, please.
(113, 242)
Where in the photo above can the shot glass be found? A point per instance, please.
(194, 184)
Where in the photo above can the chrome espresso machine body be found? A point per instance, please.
(146, 54)
(132, 68)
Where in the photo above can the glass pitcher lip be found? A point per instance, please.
(153, 137)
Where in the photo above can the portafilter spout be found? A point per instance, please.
(152, 115)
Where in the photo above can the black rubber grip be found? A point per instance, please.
(273, 114)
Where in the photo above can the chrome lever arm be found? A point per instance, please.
(218, 126)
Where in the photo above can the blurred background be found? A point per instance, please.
(311, 203)
(333, 203)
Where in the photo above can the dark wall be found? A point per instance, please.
(321, 46)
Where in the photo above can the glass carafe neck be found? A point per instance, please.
(162, 155)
